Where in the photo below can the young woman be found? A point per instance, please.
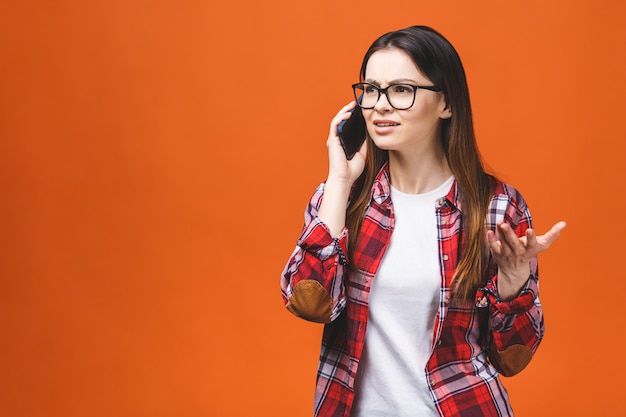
(427, 282)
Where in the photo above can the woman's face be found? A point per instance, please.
(412, 130)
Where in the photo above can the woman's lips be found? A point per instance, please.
(382, 127)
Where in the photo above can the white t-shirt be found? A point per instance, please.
(403, 302)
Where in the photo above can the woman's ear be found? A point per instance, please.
(446, 113)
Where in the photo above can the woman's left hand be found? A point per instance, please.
(513, 255)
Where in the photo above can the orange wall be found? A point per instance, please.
(156, 158)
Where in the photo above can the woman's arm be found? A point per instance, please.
(341, 175)
(312, 281)
(512, 294)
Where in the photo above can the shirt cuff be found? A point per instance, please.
(487, 296)
(316, 239)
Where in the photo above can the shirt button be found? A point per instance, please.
(445, 257)
(432, 382)
(446, 301)
(443, 221)
(440, 202)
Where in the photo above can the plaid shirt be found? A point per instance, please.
(473, 342)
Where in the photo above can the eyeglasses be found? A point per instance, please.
(399, 96)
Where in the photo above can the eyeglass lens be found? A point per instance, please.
(400, 96)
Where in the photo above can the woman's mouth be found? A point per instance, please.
(385, 123)
(382, 127)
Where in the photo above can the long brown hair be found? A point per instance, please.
(437, 59)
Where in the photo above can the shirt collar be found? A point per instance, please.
(381, 190)
(453, 197)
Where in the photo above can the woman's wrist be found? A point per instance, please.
(510, 287)
(338, 184)
(332, 210)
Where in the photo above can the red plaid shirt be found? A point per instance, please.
(472, 341)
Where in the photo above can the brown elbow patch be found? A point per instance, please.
(511, 360)
(310, 301)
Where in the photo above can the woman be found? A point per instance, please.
(427, 283)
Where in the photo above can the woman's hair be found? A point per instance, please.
(437, 59)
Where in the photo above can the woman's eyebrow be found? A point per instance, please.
(396, 81)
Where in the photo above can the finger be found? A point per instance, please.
(343, 114)
(552, 234)
(531, 239)
(493, 243)
(333, 141)
(351, 105)
(558, 228)
(509, 239)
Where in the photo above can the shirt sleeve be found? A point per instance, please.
(516, 326)
(312, 281)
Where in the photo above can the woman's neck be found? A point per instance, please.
(418, 173)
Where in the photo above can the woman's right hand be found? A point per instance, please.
(341, 169)
(341, 175)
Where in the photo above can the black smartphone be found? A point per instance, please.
(352, 132)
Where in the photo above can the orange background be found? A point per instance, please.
(156, 158)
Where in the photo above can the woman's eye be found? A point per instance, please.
(370, 89)
(402, 89)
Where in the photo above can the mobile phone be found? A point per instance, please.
(352, 132)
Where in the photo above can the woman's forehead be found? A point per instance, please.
(392, 64)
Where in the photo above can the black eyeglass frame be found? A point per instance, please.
(384, 90)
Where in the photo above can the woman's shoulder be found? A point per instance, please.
(503, 191)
